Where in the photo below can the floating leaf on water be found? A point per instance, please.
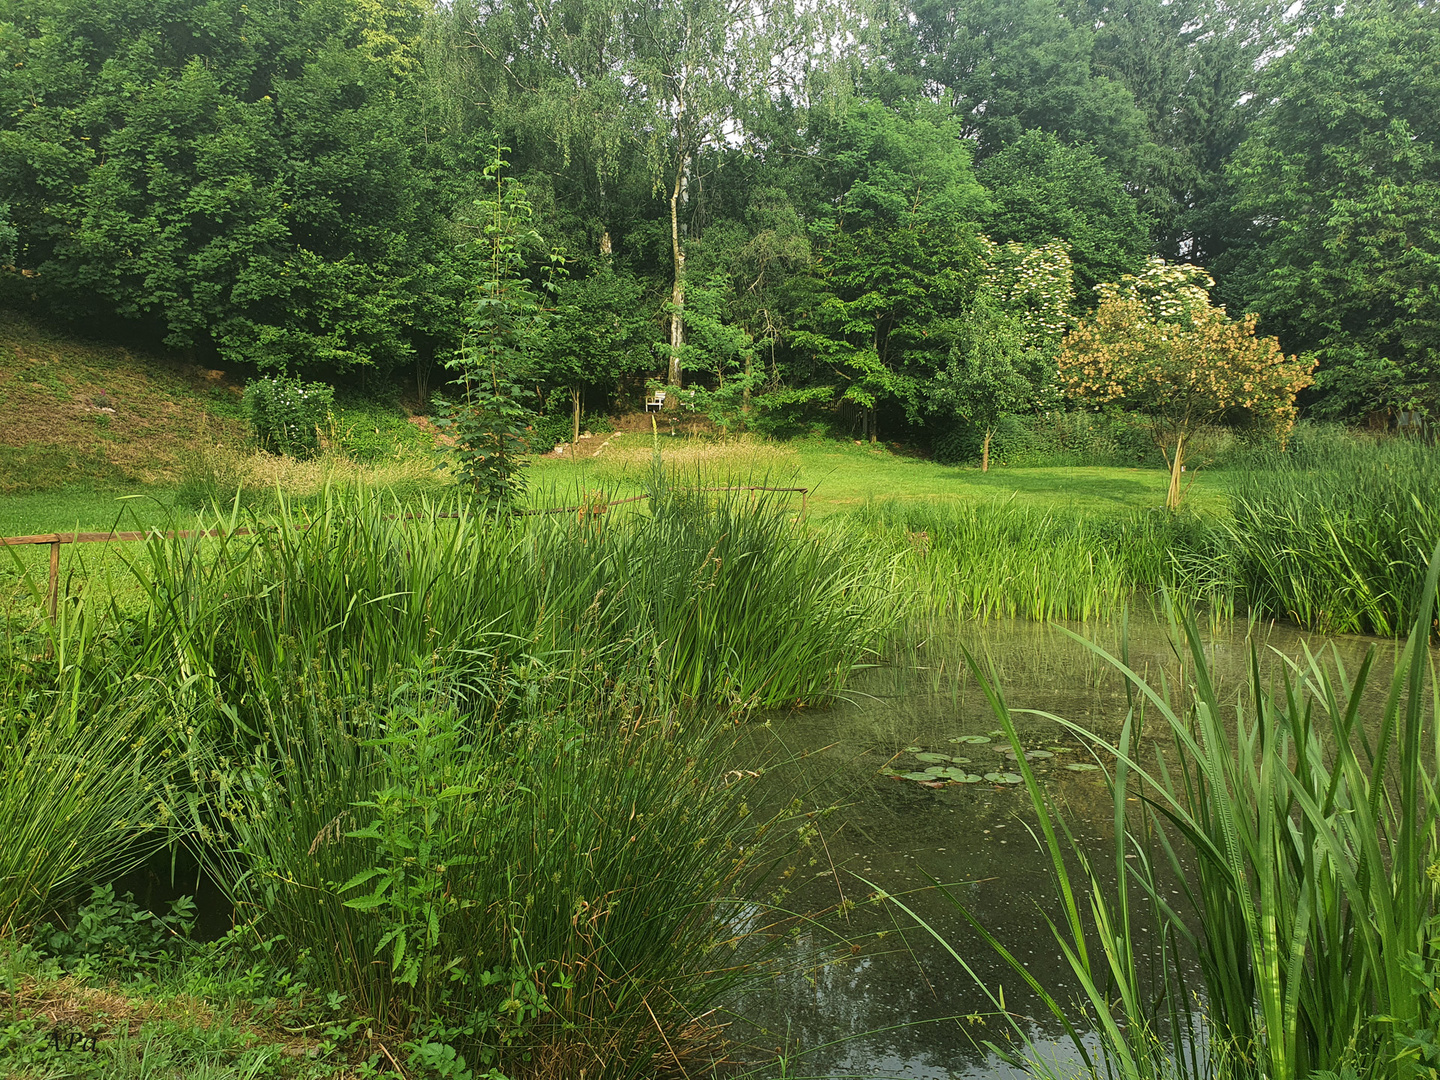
(1037, 755)
(932, 757)
(936, 770)
(960, 776)
(918, 776)
(971, 739)
(913, 749)
(961, 760)
(1082, 766)
(1002, 778)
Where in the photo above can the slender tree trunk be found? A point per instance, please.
(985, 451)
(575, 402)
(677, 292)
(1172, 496)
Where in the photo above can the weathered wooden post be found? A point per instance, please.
(54, 578)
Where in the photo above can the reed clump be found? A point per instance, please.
(466, 772)
(998, 559)
(1302, 831)
(1336, 534)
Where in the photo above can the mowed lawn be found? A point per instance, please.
(841, 477)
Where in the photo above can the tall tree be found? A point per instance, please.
(901, 259)
(1042, 190)
(1341, 177)
(669, 86)
(1008, 66)
(238, 178)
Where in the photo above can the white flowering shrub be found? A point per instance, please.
(288, 414)
(1035, 282)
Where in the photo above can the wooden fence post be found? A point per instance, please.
(54, 579)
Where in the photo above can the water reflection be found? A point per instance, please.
(866, 993)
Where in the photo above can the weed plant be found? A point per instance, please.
(1304, 838)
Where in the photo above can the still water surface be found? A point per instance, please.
(847, 1001)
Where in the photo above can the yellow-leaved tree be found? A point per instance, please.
(1157, 345)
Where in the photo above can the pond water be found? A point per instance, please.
(864, 992)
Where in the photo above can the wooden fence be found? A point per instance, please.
(55, 540)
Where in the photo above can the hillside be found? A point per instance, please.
(76, 413)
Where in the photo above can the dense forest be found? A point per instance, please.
(881, 215)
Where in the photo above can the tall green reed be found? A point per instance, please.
(1337, 536)
(85, 776)
(1304, 838)
(999, 559)
(728, 602)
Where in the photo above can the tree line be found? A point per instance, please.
(888, 214)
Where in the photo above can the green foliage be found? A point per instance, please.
(1340, 173)
(116, 937)
(229, 178)
(902, 262)
(1042, 190)
(1007, 68)
(504, 331)
(288, 414)
(1111, 437)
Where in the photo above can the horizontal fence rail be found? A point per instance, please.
(55, 540)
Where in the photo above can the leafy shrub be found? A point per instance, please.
(288, 414)
(1110, 438)
(115, 936)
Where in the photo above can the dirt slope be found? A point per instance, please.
(74, 412)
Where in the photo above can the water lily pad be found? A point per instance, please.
(960, 776)
(928, 757)
(974, 739)
(1002, 778)
(1037, 755)
(918, 776)
(1082, 766)
(935, 770)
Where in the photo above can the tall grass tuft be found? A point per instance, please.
(1336, 535)
(85, 774)
(556, 897)
(1304, 838)
(727, 602)
(988, 559)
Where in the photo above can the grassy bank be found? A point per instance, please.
(465, 775)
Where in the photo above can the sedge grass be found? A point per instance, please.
(85, 777)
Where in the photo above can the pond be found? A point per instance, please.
(863, 992)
